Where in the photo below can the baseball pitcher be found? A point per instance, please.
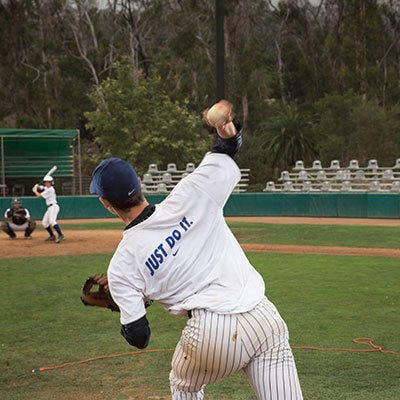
(182, 254)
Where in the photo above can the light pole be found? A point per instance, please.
(220, 48)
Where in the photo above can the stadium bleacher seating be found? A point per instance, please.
(395, 187)
(353, 164)
(269, 187)
(335, 164)
(159, 181)
(353, 178)
(316, 165)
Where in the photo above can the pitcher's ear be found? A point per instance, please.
(105, 202)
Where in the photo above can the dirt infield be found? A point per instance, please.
(105, 241)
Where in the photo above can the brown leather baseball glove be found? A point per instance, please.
(95, 292)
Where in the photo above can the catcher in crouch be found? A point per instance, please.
(17, 218)
(182, 254)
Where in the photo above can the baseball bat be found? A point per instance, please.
(51, 171)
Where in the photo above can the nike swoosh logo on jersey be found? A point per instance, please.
(175, 252)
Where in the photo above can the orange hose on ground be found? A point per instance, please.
(369, 342)
(68, 364)
(363, 341)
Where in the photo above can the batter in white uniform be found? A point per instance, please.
(182, 254)
(49, 220)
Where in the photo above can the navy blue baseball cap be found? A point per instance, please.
(115, 180)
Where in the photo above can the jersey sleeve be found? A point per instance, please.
(46, 193)
(217, 174)
(215, 177)
(128, 297)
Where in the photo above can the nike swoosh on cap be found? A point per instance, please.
(131, 192)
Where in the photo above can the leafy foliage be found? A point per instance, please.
(350, 127)
(294, 54)
(136, 120)
(289, 137)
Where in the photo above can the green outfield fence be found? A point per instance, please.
(346, 205)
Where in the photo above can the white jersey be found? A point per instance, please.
(6, 214)
(184, 253)
(49, 194)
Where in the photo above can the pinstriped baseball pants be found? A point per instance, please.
(213, 346)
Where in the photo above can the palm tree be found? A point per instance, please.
(288, 138)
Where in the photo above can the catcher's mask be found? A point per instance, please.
(16, 202)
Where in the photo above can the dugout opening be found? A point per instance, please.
(27, 154)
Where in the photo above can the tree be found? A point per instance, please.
(136, 120)
(289, 138)
(377, 132)
(334, 125)
(308, 53)
(349, 127)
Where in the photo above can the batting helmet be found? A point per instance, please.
(48, 178)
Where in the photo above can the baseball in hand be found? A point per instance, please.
(219, 113)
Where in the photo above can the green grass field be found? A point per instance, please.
(321, 235)
(328, 235)
(326, 301)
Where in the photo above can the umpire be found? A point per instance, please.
(17, 218)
